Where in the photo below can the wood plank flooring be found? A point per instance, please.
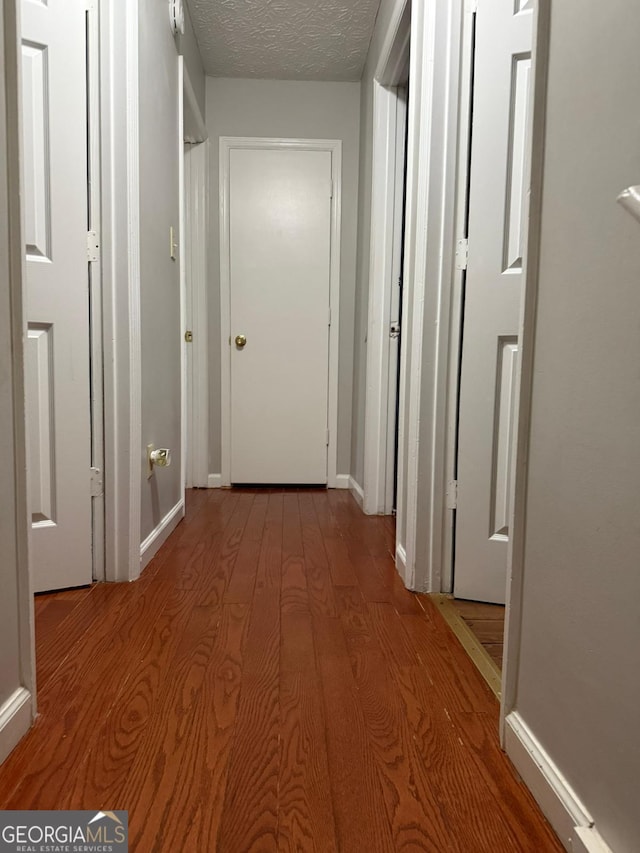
(269, 685)
(486, 622)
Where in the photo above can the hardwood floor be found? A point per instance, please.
(486, 621)
(269, 685)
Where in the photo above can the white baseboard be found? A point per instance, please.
(356, 491)
(215, 481)
(159, 536)
(557, 799)
(401, 559)
(16, 716)
(341, 482)
(588, 840)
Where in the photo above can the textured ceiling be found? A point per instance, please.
(284, 39)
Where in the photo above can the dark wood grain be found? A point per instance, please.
(220, 698)
(270, 560)
(294, 595)
(414, 815)
(250, 814)
(358, 799)
(319, 585)
(245, 568)
(269, 684)
(305, 816)
(170, 755)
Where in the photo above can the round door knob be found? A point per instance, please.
(240, 341)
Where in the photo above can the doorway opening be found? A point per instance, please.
(494, 180)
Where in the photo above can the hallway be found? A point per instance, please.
(269, 684)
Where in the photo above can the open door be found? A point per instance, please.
(54, 91)
(498, 211)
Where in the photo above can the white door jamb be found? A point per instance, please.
(194, 250)
(120, 181)
(387, 179)
(185, 475)
(19, 710)
(429, 254)
(95, 291)
(196, 196)
(458, 275)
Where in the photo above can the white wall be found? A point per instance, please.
(193, 60)
(160, 284)
(307, 110)
(578, 685)
(16, 605)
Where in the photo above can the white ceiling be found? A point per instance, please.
(284, 39)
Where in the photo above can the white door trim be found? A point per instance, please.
(429, 256)
(383, 193)
(454, 352)
(386, 174)
(120, 173)
(182, 271)
(227, 143)
(18, 712)
(194, 251)
(196, 206)
(95, 289)
(389, 118)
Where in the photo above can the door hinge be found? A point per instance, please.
(330, 189)
(327, 438)
(471, 6)
(97, 486)
(462, 254)
(188, 336)
(394, 330)
(93, 246)
(329, 315)
(452, 494)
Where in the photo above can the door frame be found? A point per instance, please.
(96, 340)
(434, 111)
(120, 259)
(334, 146)
(388, 165)
(458, 281)
(430, 427)
(194, 251)
(18, 711)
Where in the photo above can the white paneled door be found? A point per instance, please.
(279, 255)
(55, 210)
(498, 210)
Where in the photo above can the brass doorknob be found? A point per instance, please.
(240, 341)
